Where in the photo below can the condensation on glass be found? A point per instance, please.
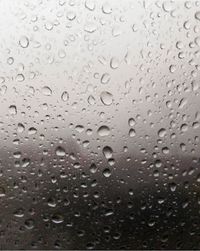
(99, 124)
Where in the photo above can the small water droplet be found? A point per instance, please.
(65, 96)
(13, 109)
(105, 78)
(106, 172)
(162, 132)
(46, 91)
(106, 98)
(24, 42)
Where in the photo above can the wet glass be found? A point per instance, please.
(99, 124)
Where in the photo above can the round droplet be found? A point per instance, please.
(114, 63)
(90, 5)
(106, 172)
(24, 42)
(13, 109)
(93, 168)
(60, 151)
(20, 78)
(46, 91)
(106, 98)
(79, 128)
(167, 6)
(10, 60)
(103, 131)
(131, 122)
(162, 132)
(132, 132)
(165, 150)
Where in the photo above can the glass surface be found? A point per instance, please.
(99, 124)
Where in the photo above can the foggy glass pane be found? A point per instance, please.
(99, 124)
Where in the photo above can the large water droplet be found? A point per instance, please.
(103, 131)
(106, 172)
(106, 98)
(60, 151)
(65, 96)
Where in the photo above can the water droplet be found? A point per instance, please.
(32, 130)
(131, 122)
(107, 151)
(60, 151)
(114, 63)
(165, 150)
(93, 168)
(20, 128)
(46, 91)
(91, 100)
(132, 132)
(10, 60)
(2, 192)
(182, 103)
(167, 6)
(24, 42)
(162, 132)
(29, 224)
(90, 27)
(57, 218)
(103, 131)
(105, 78)
(197, 15)
(90, 5)
(51, 202)
(71, 15)
(172, 68)
(20, 78)
(106, 172)
(184, 128)
(79, 128)
(106, 8)
(13, 109)
(172, 186)
(25, 162)
(19, 213)
(106, 98)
